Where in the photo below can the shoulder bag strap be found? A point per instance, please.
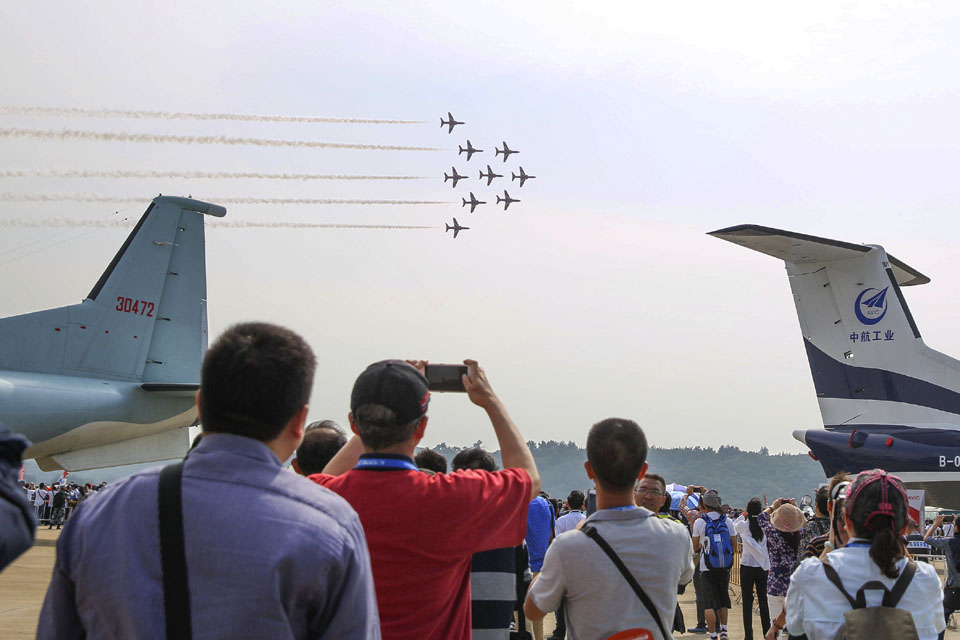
(173, 558)
(835, 579)
(596, 537)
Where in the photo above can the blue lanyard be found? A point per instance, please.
(385, 463)
(626, 507)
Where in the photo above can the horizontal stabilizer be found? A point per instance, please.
(799, 248)
(165, 445)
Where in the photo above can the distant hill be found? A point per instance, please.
(737, 475)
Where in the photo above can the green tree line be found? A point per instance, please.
(738, 475)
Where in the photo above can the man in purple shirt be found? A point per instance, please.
(269, 554)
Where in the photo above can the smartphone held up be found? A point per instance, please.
(445, 377)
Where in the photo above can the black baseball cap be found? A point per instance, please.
(393, 384)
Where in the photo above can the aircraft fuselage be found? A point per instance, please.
(88, 411)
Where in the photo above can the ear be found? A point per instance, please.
(296, 424)
(296, 466)
(589, 469)
(197, 399)
(421, 427)
(643, 471)
(353, 423)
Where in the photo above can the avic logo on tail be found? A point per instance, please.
(871, 307)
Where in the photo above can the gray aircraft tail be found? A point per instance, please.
(144, 320)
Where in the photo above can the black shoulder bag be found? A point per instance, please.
(173, 558)
(594, 535)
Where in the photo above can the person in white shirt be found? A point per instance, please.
(715, 579)
(754, 565)
(39, 500)
(574, 517)
(876, 515)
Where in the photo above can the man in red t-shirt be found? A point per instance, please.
(422, 530)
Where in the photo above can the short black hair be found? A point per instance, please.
(658, 478)
(823, 499)
(320, 444)
(254, 379)
(617, 451)
(474, 458)
(323, 424)
(430, 459)
(378, 428)
(575, 499)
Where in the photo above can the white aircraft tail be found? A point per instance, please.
(870, 365)
(145, 318)
(887, 400)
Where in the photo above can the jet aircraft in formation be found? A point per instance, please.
(451, 124)
(506, 151)
(456, 228)
(469, 151)
(523, 177)
(473, 202)
(506, 200)
(456, 177)
(489, 175)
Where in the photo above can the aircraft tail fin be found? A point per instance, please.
(869, 363)
(145, 319)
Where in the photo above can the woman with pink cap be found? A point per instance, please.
(873, 568)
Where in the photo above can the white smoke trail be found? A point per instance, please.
(100, 223)
(163, 138)
(69, 223)
(192, 175)
(71, 112)
(82, 197)
(313, 225)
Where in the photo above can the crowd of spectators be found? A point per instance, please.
(53, 503)
(369, 537)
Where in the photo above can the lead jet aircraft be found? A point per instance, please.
(506, 200)
(489, 175)
(506, 151)
(473, 202)
(456, 177)
(111, 380)
(523, 177)
(887, 399)
(469, 151)
(456, 228)
(452, 123)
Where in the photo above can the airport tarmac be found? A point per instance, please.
(24, 583)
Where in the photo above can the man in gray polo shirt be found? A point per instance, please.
(598, 600)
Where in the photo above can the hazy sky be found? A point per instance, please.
(647, 125)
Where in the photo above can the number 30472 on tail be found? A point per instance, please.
(139, 307)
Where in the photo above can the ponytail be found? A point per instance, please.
(886, 548)
(753, 510)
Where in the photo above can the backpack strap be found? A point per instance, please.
(594, 535)
(173, 558)
(892, 597)
(833, 577)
